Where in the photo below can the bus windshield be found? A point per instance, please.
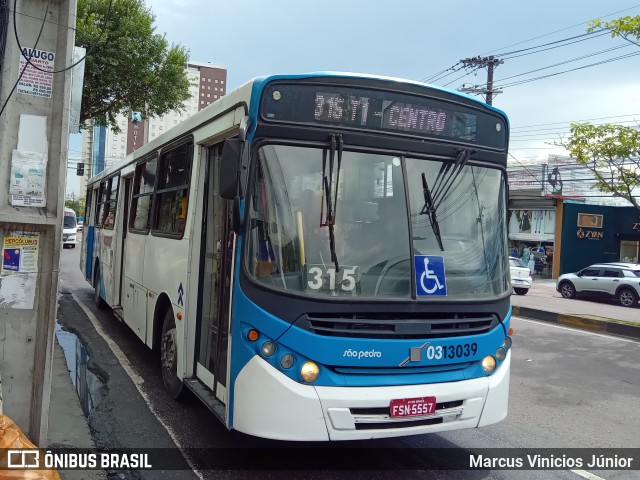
(70, 220)
(289, 244)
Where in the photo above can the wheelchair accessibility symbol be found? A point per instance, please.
(430, 275)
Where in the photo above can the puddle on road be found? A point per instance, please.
(86, 383)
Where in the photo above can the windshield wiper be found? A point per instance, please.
(336, 143)
(447, 175)
(429, 209)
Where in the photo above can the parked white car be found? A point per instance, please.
(520, 276)
(614, 280)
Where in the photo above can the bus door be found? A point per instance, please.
(215, 283)
(125, 227)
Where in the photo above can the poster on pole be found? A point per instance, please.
(36, 81)
(20, 253)
(28, 179)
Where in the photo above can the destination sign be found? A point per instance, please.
(368, 109)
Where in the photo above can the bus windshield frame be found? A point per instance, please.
(287, 244)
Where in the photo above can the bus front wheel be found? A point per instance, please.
(169, 357)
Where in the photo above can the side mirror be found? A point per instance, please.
(236, 221)
(579, 274)
(229, 166)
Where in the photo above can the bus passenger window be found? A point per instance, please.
(172, 190)
(144, 183)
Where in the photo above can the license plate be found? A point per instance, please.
(518, 281)
(412, 407)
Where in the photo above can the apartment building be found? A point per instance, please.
(102, 146)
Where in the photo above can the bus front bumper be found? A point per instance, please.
(269, 404)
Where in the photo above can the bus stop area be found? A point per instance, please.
(544, 303)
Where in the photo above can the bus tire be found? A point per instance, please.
(169, 357)
(97, 299)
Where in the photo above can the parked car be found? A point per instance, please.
(80, 225)
(520, 276)
(617, 280)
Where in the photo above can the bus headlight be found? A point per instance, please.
(286, 361)
(309, 372)
(501, 354)
(488, 364)
(507, 342)
(268, 348)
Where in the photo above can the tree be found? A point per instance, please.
(129, 67)
(77, 206)
(624, 27)
(612, 154)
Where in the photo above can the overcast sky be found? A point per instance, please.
(416, 39)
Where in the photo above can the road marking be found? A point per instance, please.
(586, 332)
(135, 378)
(587, 475)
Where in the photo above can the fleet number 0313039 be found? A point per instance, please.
(438, 352)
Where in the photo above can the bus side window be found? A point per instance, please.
(142, 198)
(173, 189)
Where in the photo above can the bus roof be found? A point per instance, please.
(248, 94)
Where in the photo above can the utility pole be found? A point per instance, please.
(34, 133)
(481, 62)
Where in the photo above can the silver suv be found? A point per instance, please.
(618, 280)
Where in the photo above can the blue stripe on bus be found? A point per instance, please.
(88, 259)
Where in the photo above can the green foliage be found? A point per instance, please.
(624, 27)
(77, 206)
(131, 66)
(612, 153)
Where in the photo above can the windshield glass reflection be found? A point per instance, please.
(288, 242)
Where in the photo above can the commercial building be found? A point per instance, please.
(538, 196)
(598, 233)
(102, 146)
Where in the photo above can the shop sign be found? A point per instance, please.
(589, 234)
(590, 220)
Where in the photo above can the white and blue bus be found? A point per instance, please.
(318, 257)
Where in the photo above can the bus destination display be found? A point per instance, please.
(351, 110)
(381, 111)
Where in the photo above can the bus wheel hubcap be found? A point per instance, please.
(169, 349)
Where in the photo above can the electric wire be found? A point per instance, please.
(529, 80)
(551, 48)
(15, 85)
(583, 36)
(563, 62)
(87, 53)
(28, 58)
(561, 30)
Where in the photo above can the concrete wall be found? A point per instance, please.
(28, 301)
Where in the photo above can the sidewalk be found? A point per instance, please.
(67, 424)
(544, 303)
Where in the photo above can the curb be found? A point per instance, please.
(579, 322)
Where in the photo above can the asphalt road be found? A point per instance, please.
(568, 389)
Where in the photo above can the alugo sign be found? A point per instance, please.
(590, 234)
